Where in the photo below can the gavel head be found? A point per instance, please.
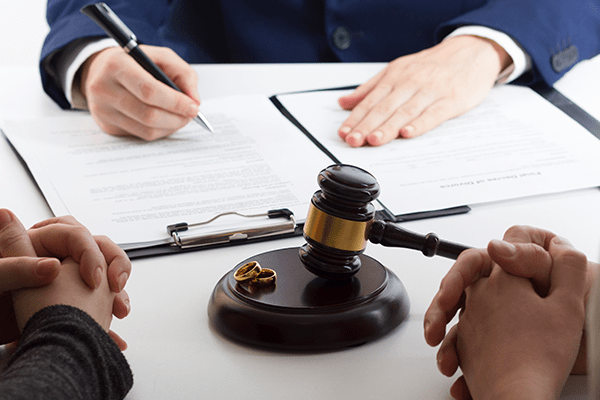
(338, 221)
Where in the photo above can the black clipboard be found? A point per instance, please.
(260, 233)
(291, 228)
(383, 213)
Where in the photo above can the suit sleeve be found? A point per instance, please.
(555, 33)
(64, 354)
(68, 25)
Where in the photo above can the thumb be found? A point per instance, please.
(526, 260)
(25, 272)
(569, 272)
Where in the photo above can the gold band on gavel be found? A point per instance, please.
(335, 232)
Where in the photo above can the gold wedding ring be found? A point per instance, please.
(265, 278)
(252, 273)
(247, 272)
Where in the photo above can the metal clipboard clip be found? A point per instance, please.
(227, 236)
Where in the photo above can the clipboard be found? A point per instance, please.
(287, 224)
(286, 227)
(563, 103)
(289, 227)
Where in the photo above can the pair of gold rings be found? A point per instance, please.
(253, 274)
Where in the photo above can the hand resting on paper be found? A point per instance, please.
(418, 92)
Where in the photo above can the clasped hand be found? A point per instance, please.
(522, 311)
(58, 261)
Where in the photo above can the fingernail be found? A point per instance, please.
(377, 135)
(128, 305)
(122, 280)
(426, 327)
(97, 277)
(355, 139)
(5, 217)
(561, 240)
(345, 129)
(438, 360)
(46, 267)
(356, 136)
(503, 248)
(192, 110)
(407, 131)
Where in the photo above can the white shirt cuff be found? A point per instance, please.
(70, 63)
(521, 60)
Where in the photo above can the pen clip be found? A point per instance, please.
(232, 235)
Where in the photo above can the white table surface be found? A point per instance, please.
(172, 349)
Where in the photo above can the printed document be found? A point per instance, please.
(513, 145)
(131, 190)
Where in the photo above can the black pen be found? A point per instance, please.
(101, 14)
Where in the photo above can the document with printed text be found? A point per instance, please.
(513, 145)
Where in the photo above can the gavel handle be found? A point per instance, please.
(392, 235)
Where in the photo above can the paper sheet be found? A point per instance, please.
(131, 190)
(514, 144)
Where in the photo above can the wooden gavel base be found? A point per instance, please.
(303, 312)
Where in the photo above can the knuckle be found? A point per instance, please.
(102, 239)
(69, 220)
(361, 109)
(78, 231)
(112, 130)
(573, 257)
(408, 110)
(147, 91)
(181, 104)
(163, 51)
(10, 216)
(384, 109)
(152, 134)
(112, 64)
(150, 117)
(169, 52)
(11, 240)
(516, 228)
(95, 88)
(517, 231)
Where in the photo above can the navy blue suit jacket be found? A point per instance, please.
(555, 33)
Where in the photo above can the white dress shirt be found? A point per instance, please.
(71, 59)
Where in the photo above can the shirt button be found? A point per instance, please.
(341, 38)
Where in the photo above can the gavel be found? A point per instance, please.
(341, 220)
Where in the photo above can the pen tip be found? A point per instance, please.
(202, 121)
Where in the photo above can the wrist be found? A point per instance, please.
(522, 384)
(504, 59)
(82, 74)
(521, 61)
(501, 58)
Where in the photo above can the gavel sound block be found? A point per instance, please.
(328, 295)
